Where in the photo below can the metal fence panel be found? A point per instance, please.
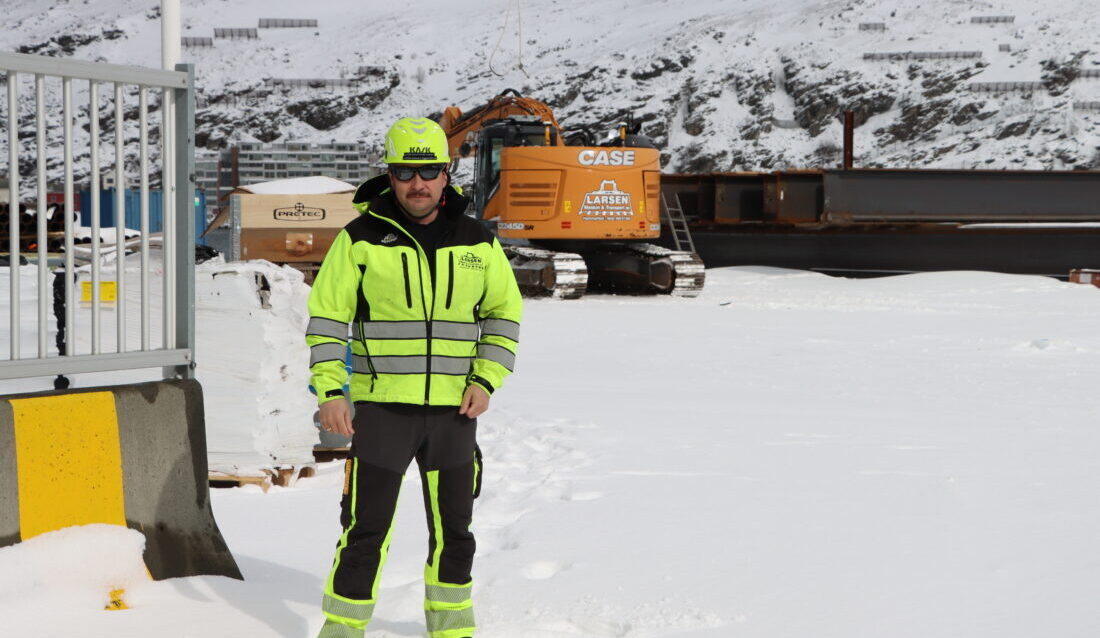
(175, 355)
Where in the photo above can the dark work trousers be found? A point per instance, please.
(387, 437)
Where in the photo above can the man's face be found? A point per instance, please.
(418, 196)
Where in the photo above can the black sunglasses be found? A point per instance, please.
(427, 172)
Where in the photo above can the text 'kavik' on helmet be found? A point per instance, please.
(413, 140)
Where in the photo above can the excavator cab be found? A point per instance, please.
(489, 142)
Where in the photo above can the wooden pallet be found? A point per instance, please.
(326, 454)
(283, 477)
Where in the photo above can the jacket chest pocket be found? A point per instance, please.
(407, 279)
(391, 282)
(450, 277)
(464, 273)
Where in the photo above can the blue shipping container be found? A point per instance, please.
(133, 210)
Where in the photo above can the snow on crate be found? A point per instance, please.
(254, 367)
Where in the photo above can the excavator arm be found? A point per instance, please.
(458, 125)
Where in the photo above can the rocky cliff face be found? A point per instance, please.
(757, 88)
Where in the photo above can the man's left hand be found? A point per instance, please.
(474, 402)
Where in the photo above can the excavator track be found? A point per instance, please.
(644, 269)
(689, 273)
(541, 272)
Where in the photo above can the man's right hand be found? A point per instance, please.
(336, 417)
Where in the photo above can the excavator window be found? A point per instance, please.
(488, 168)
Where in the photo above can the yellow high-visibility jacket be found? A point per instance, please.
(413, 340)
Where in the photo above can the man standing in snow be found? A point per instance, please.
(435, 313)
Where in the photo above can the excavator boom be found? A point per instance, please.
(459, 126)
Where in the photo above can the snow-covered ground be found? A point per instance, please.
(788, 455)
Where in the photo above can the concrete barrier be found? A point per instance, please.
(127, 455)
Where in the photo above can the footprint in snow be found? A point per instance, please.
(543, 569)
(582, 496)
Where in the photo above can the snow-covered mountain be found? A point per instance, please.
(719, 84)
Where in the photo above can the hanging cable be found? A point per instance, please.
(519, 32)
(503, 29)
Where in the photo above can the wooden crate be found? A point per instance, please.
(283, 477)
(1085, 276)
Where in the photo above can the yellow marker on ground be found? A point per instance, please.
(116, 600)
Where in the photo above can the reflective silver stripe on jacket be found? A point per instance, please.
(321, 327)
(412, 364)
(500, 327)
(391, 330)
(454, 330)
(496, 353)
(327, 352)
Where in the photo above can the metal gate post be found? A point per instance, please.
(184, 111)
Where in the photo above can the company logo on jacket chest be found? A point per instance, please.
(471, 261)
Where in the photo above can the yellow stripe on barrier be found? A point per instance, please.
(69, 462)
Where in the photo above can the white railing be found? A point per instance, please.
(175, 353)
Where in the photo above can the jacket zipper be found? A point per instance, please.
(423, 303)
(408, 291)
(427, 324)
(370, 364)
(450, 276)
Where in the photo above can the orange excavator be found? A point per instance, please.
(572, 212)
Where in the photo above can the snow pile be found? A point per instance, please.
(75, 567)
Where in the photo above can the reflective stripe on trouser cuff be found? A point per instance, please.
(448, 593)
(500, 354)
(454, 330)
(322, 327)
(414, 364)
(346, 612)
(444, 623)
(333, 629)
(501, 327)
(327, 352)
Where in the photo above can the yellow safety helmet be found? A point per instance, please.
(416, 140)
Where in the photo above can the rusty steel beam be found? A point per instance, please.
(884, 250)
(869, 196)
